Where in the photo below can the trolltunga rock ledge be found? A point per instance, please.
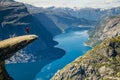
(8, 48)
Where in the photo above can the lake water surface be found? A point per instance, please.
(73, 43)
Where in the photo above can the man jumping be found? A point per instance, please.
(27, 30)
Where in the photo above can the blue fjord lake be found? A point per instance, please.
(72, 42)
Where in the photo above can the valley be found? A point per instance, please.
(62, 50)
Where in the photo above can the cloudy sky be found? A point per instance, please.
(74, 3)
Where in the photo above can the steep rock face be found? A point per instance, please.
(47, 23)
(8, 48)
(44, 19)
(14, 18)
(109, 27)
(101, 63)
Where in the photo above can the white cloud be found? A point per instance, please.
(74, 3)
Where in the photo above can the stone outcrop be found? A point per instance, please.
(8, 48)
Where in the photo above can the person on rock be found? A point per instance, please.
(27, 30)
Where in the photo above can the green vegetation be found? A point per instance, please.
(100, 63)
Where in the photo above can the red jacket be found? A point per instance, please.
(27, 30)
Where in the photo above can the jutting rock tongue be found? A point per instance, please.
(7, 49)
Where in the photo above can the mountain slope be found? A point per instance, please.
(109, 27)
(100, 63)
(47, 23)
(14, 18)
(59, 16)
(65, 18)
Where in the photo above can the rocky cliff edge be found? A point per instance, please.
(7, 49)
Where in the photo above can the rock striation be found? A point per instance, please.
(8, 48)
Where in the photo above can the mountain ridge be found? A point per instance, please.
(61, 17)
(108, 27)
